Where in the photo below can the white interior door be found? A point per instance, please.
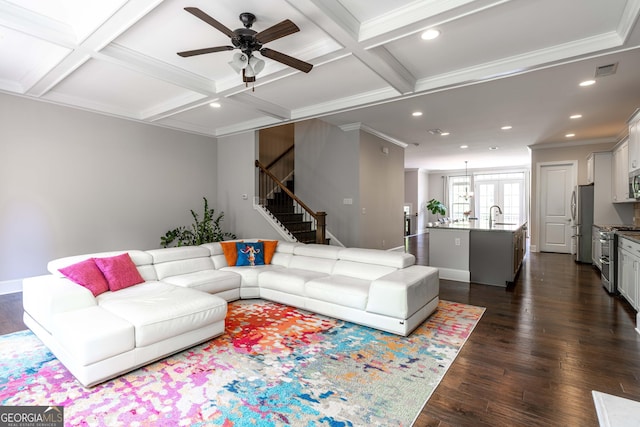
(555, 185)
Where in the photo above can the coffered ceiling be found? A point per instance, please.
(496, 63)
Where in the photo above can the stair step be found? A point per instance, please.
(305, 236)
(280, 209)
(297, 226)
(286, 217)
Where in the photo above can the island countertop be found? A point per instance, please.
(476, 225)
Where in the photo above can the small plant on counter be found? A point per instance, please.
(202, 231)
(436, 207)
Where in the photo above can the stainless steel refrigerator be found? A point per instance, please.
(582, 217)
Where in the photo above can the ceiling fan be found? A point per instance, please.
(249, 41)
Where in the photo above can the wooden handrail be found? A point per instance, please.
(277, 159)
(319, 217)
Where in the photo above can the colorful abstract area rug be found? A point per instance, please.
(274, 366)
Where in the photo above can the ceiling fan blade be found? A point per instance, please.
(209, 20)
(187, 53)
(277, 31)
(286, 60)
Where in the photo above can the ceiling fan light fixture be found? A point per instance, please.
(239, 61)
(256, 64)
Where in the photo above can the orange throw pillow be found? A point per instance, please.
(269, 249)
(230, 252)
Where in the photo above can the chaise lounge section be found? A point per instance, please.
(182, 300)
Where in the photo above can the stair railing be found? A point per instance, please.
(268, 188)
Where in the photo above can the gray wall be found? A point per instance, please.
(381, 193)
(236, 176)
(74, 182)
(327, 172)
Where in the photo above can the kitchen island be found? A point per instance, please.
(475, 252)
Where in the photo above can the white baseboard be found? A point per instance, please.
(533, 248)
(456, 275)
(10, 287)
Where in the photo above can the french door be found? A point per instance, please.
(506, 190)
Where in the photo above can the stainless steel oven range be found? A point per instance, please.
(608, 263)
(609, 253)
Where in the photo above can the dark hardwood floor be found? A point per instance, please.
(539, 350)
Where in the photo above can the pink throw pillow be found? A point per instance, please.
(86, 273)
(119, 271)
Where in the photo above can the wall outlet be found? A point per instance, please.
(364, 211)
(457, 240)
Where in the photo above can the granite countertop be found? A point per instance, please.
(475, 225)
(631, 235)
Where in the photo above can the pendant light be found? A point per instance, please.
(467, 194)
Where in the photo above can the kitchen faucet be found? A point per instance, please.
(490, 217)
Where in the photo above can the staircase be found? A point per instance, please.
(282, 207)
(280, 201)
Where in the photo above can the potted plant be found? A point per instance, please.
(436, 208)
(205, 230)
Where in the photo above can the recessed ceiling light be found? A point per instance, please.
(576, 116)
(587, 83)
(430, 34)
(416, 113)
(215, 105)
(464, 146)
(570, 135)
(493, 148)
(506, 127)
(445, 133)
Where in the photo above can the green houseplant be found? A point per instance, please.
(205, 230)
(436, 208)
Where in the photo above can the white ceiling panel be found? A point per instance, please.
(301, 90)
(30, 59)
(117, 90)
(82, 16)
(207, 119)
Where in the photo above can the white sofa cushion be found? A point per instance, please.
(377, 257)
(216, 253)
(180, 260)
(160, 310)
(319, 265)
(93, 334)
(210, 281)
(287, 247)
(316, 250)
(403, 292)
(249, 274)
(361, 270)
(288, 280)
(341, 290)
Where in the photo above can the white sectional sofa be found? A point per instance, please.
(183, 300)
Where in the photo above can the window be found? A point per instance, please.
(460, 202)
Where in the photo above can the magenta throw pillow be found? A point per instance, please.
(119, 271)
(86, 273)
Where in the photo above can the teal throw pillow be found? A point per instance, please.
(250, 253)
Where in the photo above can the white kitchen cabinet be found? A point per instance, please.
(634, 141)
(620, 173)
(629, 271)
